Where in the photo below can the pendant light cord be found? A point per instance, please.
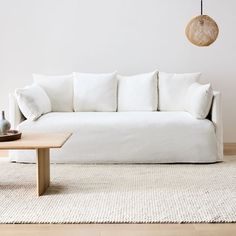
(201, 7)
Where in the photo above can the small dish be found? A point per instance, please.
(10, 136)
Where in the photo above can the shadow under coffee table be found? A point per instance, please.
(41, 142)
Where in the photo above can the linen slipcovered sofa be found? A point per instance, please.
(147, 118)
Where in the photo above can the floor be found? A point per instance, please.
(119, 229)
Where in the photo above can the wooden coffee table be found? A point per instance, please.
(41, 142)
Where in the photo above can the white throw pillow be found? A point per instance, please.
(198, 100)
(33, 101)
(138, 92)
(95, 92)
(173, 89)
(59, 89)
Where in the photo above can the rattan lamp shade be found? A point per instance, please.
(202, 31)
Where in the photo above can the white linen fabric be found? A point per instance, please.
(199, 100)
(15, 114)
(59, 89)
(173, 89)
(95, 92)
(127, 137)
(216, 118)
(33, 101)
(137, 92)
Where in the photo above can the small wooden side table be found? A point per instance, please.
(41, 142)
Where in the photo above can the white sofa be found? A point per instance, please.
(128, 136)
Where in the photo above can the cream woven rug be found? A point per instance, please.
(120, 194)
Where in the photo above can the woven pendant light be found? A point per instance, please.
(202, 30)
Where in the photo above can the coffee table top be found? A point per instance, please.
(37, 140)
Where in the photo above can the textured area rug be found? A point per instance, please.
(120, 193)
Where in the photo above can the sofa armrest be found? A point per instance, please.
(216, 118)
(15, 115)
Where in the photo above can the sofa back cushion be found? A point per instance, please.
(95, 92)
(59, 90)
(173, 89)
(198, 100)
(138, 92)
(33, 101)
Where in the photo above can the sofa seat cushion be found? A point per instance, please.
(132, 137)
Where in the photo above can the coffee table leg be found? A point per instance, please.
(43, 170)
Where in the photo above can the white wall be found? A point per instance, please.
(131, 36)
